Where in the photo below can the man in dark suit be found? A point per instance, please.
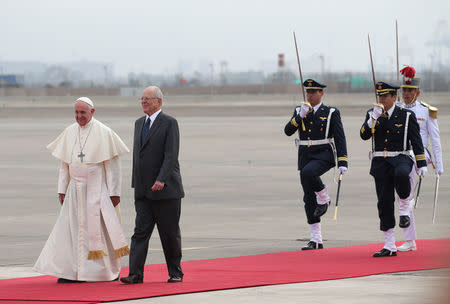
(394, 131)
(321, 142)
(157, 187)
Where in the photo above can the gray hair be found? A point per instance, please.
(157, 93)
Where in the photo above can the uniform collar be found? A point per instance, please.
(390, 111)
(317, 107)
(410, 105)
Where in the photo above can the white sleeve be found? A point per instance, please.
(435, 138)
(63, 178)
(113, 176)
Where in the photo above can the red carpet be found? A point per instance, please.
(228, 273)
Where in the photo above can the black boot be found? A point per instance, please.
(384, 253)
(312, 245)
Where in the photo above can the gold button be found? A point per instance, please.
(309, 138)
(387, 131)
(309, 130)
(310, 122)
(385, 140)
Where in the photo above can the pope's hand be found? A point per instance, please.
(439, 171)
(376, 112)
(157, 186)
(422, 171)
(115, 200)
(61, 198)
(342, 170)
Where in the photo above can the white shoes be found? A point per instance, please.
(408, 246)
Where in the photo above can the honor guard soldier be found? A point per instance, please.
(393, 131)
(427, 118)
(321, 134)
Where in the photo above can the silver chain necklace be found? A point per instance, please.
(81, 155)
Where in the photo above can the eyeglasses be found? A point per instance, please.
(145, 99)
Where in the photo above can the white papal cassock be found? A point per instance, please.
(87, 240)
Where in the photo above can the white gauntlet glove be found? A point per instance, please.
(342, 170)
(377, 111)
(304, 109)
(422, 171)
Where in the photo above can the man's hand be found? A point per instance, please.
(304, 109)
(342, 170)
(158, 186)
(61, 198)
(422, 171)
(115, 200)
(439, 171)
(376, 112)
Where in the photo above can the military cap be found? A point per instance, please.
(413, 83)
(311, 84)
(384, 88)
(409, 80)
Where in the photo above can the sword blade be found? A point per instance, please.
(299, 68)
(436, 191)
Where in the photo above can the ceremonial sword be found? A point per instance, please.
(398, 66)
(418, 191)
(376, 96)
(436, 187)
(337, 197)
(301, 80)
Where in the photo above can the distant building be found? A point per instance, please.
(11, 81)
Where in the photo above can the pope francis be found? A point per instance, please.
(87, 241)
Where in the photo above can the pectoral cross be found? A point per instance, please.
(81, 156)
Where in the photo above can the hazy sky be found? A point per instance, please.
(183, 36)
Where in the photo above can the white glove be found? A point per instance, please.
(342, 170)
(439, 171)
(304, 109)
(422, 171)
(377, 111)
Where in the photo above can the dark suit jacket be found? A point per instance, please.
(157, 159)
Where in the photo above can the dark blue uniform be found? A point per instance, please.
(315, 160)
(393, 172)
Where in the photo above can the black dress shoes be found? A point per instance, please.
(175, 280)
(321, 209)
(312, 245)
(404, 221)
(61, 280)
(384, 253)
(132, 279)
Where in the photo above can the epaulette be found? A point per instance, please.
(431, 110)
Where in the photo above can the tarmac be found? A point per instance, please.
(243, 193)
